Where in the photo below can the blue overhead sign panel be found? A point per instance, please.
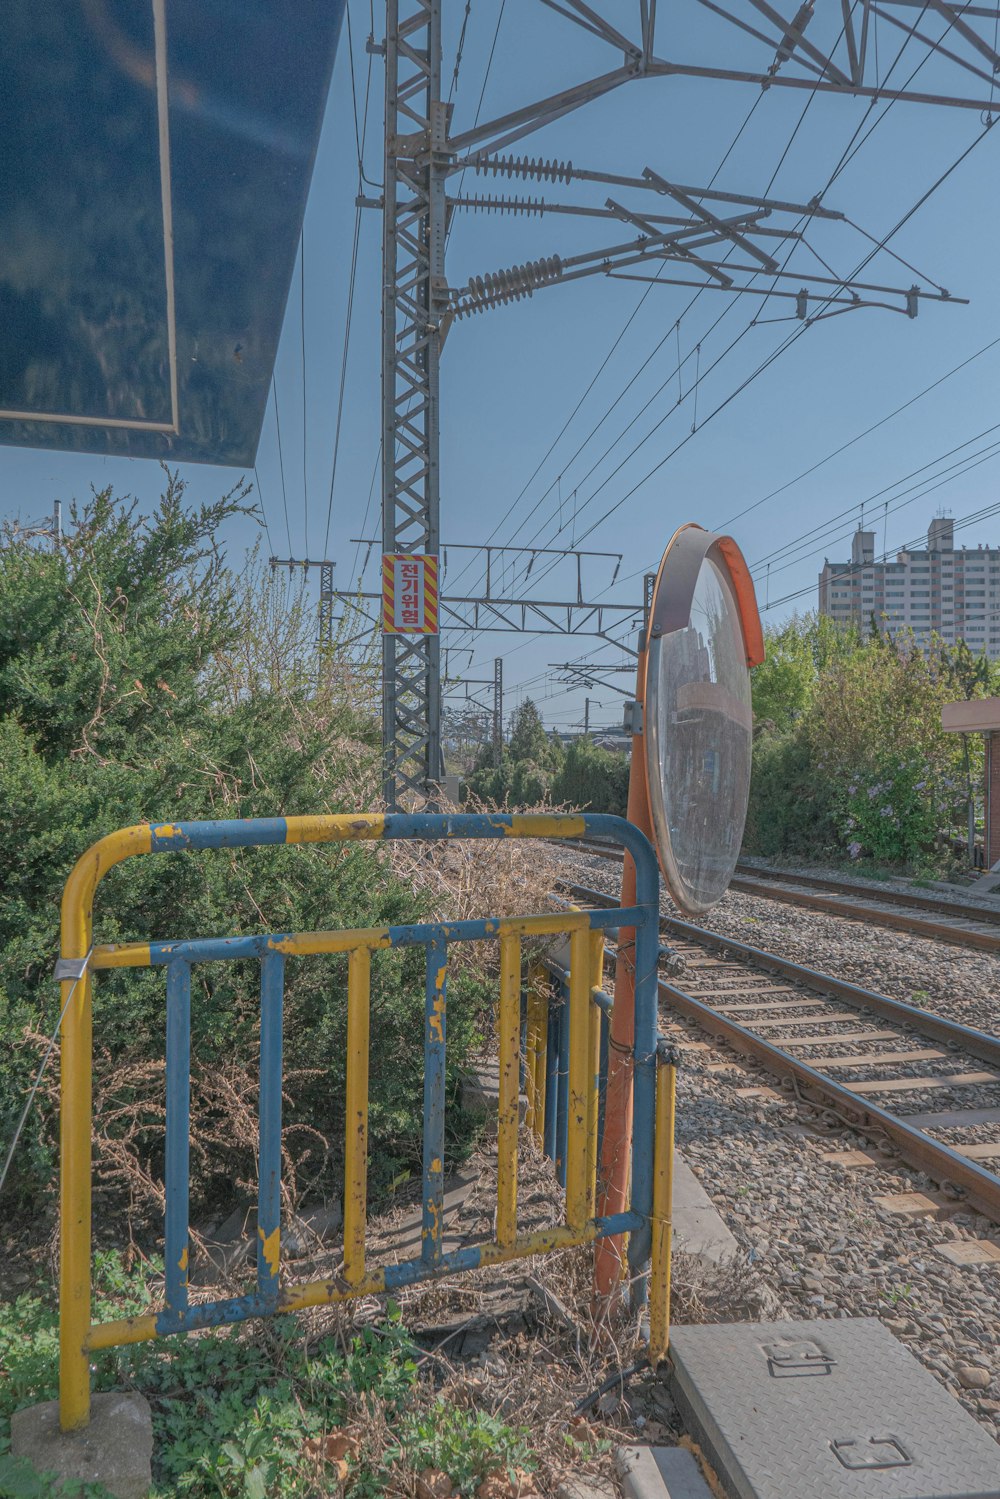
(155, 157)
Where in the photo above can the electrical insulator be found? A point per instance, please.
(525, 206)
(525, 166)
(508, 285)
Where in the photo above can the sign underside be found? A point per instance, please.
(157, 157)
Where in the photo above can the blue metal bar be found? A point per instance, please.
(435, 1006)
(602, 1082)
(410, 1272)
(551, 1080)
(250, 831)
(272, 983)
(647, 948)
(562, 1109)
(178, 1063)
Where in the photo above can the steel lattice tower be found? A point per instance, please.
(414, 295)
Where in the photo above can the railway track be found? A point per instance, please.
(944, 920)
(887, 1069)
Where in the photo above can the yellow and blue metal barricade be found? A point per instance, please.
(564, 1111)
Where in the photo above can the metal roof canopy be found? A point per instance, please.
(156, 162)
(971, 716)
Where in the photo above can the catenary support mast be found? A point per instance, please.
(413, 298)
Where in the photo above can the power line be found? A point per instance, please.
(847, 154)
(786, 344)
(954, 470)
(772, 494)
(281, 462)
(263, 510)
(967, 520)
(604, 364)
(360, 139)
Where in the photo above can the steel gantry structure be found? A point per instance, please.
(696, 237)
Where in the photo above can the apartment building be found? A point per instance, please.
(954, 594)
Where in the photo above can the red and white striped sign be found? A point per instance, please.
(409, 594)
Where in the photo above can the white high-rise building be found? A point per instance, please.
(954, 594)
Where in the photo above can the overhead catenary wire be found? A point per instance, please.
(916, 491)
(607, 359)
(959, 524)
(360, 132)
(765, 364)
(847, 154)
(281, 462)
(859, 436)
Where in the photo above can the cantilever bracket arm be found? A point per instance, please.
(719, 225)
(675, 244)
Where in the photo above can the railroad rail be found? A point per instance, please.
(967, 925)
(772, 1010)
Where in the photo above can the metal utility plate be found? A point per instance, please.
(156, 160)
(826, 1410)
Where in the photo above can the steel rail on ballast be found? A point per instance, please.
(854, 903)
(919, 1149)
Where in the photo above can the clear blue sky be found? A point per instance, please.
(512, 377)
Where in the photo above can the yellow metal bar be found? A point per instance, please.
(75, 1123)
(594, 1074)
(577, 1195)
(530, 1047)
(538, 1014)
(117, 1334)
(525, 926)
(121, 955)
(546, 825)
(356, 1140)
(663, 1190)
(510, 1026)
(329, 1292)
(334, 829)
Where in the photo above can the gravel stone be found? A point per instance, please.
(811, 1228)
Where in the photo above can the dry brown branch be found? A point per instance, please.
(470, 878)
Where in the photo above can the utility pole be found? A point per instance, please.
(586, 716)
(497, 711)
(327, 594)
(414, 297)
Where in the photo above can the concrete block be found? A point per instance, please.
(116, 1449)
(698, 1227)
(660, 1473)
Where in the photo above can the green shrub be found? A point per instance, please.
(592, 778)
(244, 1413)
(141, 681)
(792, 807)
(850, 758)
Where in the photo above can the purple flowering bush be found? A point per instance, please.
(894, 812)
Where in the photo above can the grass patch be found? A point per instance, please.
(260, 1412)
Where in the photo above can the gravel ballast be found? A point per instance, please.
(814, 1230)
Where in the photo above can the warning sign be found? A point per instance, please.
(409, 594)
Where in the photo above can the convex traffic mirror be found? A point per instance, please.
(703, 637)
